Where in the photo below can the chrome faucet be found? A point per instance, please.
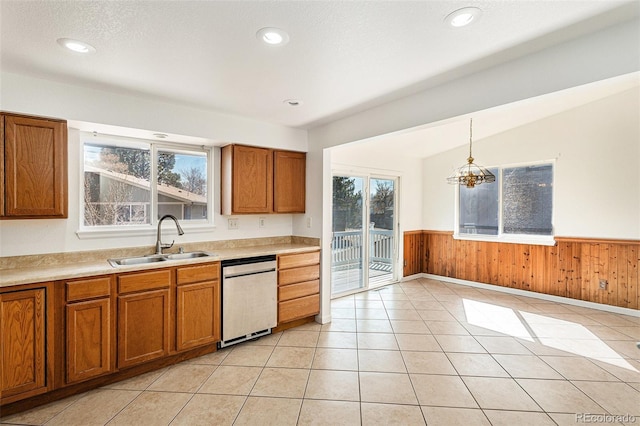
(159, 245)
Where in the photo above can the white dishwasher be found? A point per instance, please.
(249, 298)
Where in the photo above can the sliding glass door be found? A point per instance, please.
(382, 231)
(364, 240)
(347, 250)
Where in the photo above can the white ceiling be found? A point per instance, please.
(343, 56)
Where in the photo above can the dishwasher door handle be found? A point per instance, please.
(245, 274)
(248, 268)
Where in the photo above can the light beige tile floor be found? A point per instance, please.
(413, 353)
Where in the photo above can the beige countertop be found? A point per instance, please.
(25, 273)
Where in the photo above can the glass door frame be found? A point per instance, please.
(367, 177)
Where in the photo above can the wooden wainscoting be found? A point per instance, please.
(572, 268)
(414, 254)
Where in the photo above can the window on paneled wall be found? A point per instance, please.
(517, 207)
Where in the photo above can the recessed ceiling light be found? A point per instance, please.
(292, 102)
(463, 17)
(161, 135)
(76, 45)
(273, 36)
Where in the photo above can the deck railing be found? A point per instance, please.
(346, 247)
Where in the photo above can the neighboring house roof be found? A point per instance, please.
(166, 190)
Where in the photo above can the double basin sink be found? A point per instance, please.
(153, 258)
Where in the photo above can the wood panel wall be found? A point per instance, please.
(413, 253)
(572, 268)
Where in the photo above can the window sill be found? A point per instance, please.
(546, 240)
(119, 232)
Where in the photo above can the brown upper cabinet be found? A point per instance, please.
(33, 179)
(261, 180)
(246, 180)
(289, 172)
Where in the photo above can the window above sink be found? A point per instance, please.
(119, 197)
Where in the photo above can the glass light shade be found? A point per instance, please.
(471, 175)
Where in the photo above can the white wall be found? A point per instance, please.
(597, 173)
(357, 158)
(41, 97)
(607, 53)
(38, 236)
(29, 95)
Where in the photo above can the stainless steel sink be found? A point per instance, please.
(142, 260)
(190, 255)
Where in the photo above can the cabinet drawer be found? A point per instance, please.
(298, 275)
(88, 289)
(293, 291)
(298, 308)
(296, 260)
(144, 281)
(194, 274)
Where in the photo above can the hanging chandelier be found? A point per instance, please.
(471, 174)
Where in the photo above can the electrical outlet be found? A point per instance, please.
(309, 222)
(233, 223)
(603, 284)
(261, 222)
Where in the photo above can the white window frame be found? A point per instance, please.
(115, 231)
(545, 240)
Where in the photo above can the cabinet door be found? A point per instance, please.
(289, 173)
(22, 322)
(35, 167)
(1, 165)
(252, 188)
(88, 339)
(198, 317)
(143, 327)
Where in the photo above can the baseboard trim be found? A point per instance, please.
(549, 297)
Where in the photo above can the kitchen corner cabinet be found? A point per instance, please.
(90, 327)
(144, 317)
(198, 306)
(25, 319)
(298, 286)
(34, 167)
(261, 180)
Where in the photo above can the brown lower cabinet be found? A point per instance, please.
(298, 286)
(90, 327)
(24, 321)
(60, 338)
(64, 337)
(143, 316)
(198, 306)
